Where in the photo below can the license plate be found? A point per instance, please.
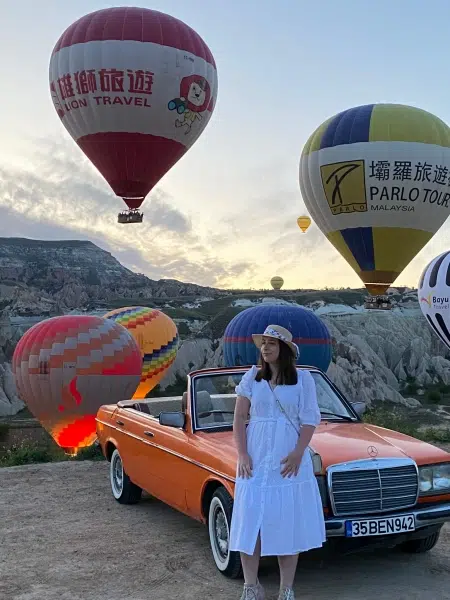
(385, 526)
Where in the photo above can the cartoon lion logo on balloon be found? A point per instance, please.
(195, 98)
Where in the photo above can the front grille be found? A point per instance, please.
(373, 490)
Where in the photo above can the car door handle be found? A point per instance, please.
(149, 433)
(120, 422)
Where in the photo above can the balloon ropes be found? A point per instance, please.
(66, 367)
(135, 88)
(375, 180)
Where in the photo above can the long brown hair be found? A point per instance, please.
(287, 373)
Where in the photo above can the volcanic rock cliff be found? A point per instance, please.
(377, 355)
(51, 277)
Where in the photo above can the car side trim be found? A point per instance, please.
(177, 454)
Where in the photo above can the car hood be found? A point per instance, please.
(336, 443)
(344, 442)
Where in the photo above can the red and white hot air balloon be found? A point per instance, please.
(135, 88)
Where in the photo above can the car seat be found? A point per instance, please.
(204, 403)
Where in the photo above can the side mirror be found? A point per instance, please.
(172, 419)
(359, 408)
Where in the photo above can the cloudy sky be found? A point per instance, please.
(225, 215)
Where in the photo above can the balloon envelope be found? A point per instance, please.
(134, 88)
(157, 337)
(375, 180)
(66, 367)
(304, 223)
(434, 296)
(308, 331)
(277, 282)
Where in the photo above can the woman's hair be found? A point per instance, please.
(287, 373)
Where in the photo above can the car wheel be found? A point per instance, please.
(421, 545)
(219, 522)
(123, 489)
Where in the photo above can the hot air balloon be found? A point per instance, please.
(157, 338)
(309, 333)
(434, 296)
(375, 179)
(277, 282)
(134, 88)
(66, 367)
(304, 223)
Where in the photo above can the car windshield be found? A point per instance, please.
(215, 398)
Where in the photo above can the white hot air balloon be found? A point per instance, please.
(434, 295)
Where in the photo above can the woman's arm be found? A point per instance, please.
(240, 436)
(309, 415)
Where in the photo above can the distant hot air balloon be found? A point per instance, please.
(375, 179)
(434, 296)
(277, 282)
(134, 88)
(157, 338)
(304, 223)
(309, 333)
(66, 367)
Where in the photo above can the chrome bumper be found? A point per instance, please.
(424, 517)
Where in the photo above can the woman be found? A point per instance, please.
(277, 506)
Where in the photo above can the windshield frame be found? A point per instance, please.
(216, 427)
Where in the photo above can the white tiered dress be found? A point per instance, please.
(286, 511)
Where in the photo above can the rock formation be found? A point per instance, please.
(52, 277)
(376, 354)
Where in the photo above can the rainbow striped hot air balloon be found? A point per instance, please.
(375, 179)
(157, 337)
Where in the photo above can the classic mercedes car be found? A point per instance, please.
(378, 486)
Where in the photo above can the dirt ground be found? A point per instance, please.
(64, 537)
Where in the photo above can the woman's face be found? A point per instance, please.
(270, 349)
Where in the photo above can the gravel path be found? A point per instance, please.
(63, 537)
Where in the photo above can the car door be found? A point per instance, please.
(128, 428)
(168, 463)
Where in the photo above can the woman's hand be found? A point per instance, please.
(245, 466)
(291, 463)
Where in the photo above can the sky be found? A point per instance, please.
(225, 214)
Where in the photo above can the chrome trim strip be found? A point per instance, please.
(378, 464)
(336, 526)
(172, 452)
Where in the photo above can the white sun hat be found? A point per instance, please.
(279, 333)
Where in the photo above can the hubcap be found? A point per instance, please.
(221, 529)
(117, 472)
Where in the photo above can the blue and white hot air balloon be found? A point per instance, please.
(434, 295)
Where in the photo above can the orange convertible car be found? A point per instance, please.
(377, 485)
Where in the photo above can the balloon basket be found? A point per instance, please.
(377, 303)
(130, 216)
(70, 451)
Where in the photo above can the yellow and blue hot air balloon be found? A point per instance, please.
(375, 179)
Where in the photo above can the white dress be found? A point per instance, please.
(286, 511)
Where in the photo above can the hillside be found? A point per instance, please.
(376, 355)
(51, 277)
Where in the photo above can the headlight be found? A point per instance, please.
(434, 479)
(316, 461)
